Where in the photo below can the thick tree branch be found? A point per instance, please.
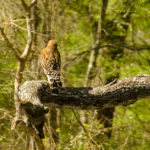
(122, 92)
(34, 96)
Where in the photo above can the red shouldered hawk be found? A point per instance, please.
(51, 62)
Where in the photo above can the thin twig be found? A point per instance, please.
(87, 134)
(79, 121)
(9, 44)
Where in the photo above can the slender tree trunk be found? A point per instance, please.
(106, 115)
(35, 59)
(94, 54)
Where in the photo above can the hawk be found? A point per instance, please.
(51, 63)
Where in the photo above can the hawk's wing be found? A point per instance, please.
(50, 61)
(47, 62)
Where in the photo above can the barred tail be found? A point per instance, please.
(54, 81)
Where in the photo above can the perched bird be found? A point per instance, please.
(51, 62)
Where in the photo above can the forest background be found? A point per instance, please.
(99, 41)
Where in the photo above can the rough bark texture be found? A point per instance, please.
(120, 92)
(35, 96)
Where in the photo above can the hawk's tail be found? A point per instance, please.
(54, 81)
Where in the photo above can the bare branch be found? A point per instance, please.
(101, 22)
(130, 47)
(122, 92)
(29, 28)
(28, 7)
(115, 45)
(33, 133)
(9, 44)
(29, 37)
(35, 95)
(79, 121)
(64, 7)
(25, 6)
(33, 3)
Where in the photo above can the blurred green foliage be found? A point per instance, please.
(75, 30)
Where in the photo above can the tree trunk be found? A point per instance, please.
(106, 115)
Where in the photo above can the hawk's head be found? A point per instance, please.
(52, 44)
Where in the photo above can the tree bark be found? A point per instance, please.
(34, 96)
(120, 92)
